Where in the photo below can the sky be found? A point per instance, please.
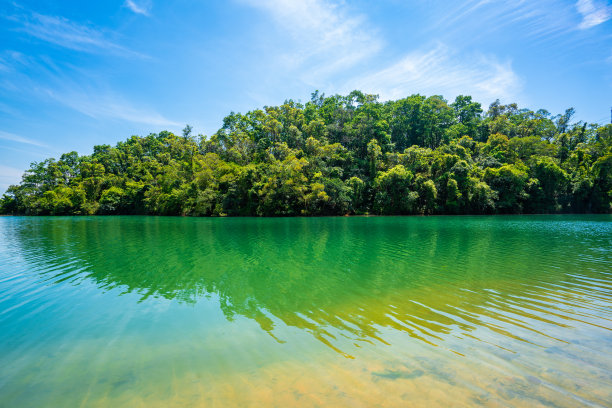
(75, 74)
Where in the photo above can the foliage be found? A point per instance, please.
(339, 155)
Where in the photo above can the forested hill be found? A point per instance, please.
(339, 155)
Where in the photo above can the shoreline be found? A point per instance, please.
(299, 216)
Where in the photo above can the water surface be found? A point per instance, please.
(381, 311)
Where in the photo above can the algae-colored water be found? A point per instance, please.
(389, 311)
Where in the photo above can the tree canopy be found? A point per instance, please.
(339, 155)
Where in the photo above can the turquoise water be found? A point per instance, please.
(363, 311)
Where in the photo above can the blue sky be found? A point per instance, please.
(74, 74)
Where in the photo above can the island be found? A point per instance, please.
(339, 155)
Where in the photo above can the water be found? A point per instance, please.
(381, 311)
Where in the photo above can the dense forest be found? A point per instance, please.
(339, 155)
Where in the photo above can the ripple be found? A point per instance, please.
(518, 309)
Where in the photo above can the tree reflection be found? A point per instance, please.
(336, 278)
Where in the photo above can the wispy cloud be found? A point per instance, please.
(541, 20)
(441, 71)
(109, 106)
(40, 79)
(10, 172)
(143, 8)
(593, 13)
(20, 139)
(325, 37)
(4, 66)
(8, 110)
(8, 176)
(69, 34)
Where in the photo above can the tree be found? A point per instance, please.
(337, 155)
(392, 189)
(509, 182)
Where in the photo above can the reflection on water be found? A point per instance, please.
(384, 311)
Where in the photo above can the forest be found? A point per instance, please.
(339, 155)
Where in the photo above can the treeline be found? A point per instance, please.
(339, 155)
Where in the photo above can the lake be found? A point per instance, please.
(360, 311)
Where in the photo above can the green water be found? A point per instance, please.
(381, 311)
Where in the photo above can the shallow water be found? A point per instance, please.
(381, 311)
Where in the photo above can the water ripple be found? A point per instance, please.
(528, 298)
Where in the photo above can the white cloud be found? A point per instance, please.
(143, 8)
(325, 38)
(9, 176)
(19, 139)
(593, 13)
(80, 90)
(71, 35)
(440, 71)
(329, 41)
(10, 172)
(475, 20)
(109, 106)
